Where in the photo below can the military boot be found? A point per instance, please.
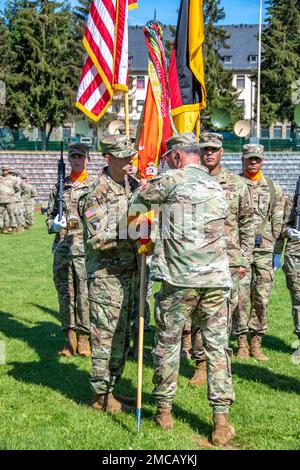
(199, 378)
(5, 230)
(223, 431)
(110, 404)
(14, 230)
(243, 347)
(163, 418)
(255, 348)
(83, 345)
(71, 344)
(186, 346)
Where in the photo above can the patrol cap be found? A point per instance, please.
(253, 150)
(5, 167)
(180, 141)
(132, 132)
(118, 146)
(78, 149)
(211, 139)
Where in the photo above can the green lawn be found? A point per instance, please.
(44, 400)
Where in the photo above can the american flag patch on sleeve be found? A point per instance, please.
(90, 212)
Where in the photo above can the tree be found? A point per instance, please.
(40, 69)
(280, 61)
(219, 88)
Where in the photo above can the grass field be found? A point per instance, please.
(44, 399)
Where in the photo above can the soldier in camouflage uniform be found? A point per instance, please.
(69, 271)
(190, 260)
(111, 266)
(28, 196)
(291, 266)
(8, 189)
(239, 231)
(267, 200)
(19, 206)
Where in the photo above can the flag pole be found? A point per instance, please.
(127, 113)
(141, 340)
(258, 125)
(198, 128)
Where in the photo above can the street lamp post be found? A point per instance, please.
(258, 133)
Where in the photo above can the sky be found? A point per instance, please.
(236, 11)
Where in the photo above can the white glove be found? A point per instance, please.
(293, 234)
(58, 225)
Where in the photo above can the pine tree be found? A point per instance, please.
(280, 61)
(219, 88)
(40, 70)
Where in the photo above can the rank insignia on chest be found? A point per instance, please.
(90, 212)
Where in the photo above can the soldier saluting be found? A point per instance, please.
(69, 271)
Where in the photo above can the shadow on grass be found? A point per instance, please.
(194, 421)
(49, 371)
(50, 311)
(279, 382)
(275, 344)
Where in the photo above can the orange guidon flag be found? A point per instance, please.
(155, 125)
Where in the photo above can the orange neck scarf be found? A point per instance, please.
(256, 177)
(78, 177)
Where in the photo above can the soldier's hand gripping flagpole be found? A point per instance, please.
(141, 340)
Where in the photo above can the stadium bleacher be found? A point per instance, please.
(41, 167)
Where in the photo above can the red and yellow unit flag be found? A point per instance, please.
(132, 4)
(186, 72)
(155, 125)
(105, 69)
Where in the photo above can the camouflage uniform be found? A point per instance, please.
(194, 274)
(111, 265)
(291, 265)
(28, 200)
(239, 229)
(8, 189)
(69, 271)
(18, 205)
(267, 200)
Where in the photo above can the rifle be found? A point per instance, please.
(60, 181)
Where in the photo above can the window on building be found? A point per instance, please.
(253, 59)
(227, 59)
(140, 82)
(130, 59)
(240, 103)
(116, 105)
(265, 134)
(139, 105)
(240, 82)
(288, 132)
(66, 133)
(278, 132)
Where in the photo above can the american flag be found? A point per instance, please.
(106, 66)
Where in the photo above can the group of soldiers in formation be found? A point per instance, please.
(235, 229)
(16, 202)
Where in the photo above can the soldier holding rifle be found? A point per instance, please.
(69, 271)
